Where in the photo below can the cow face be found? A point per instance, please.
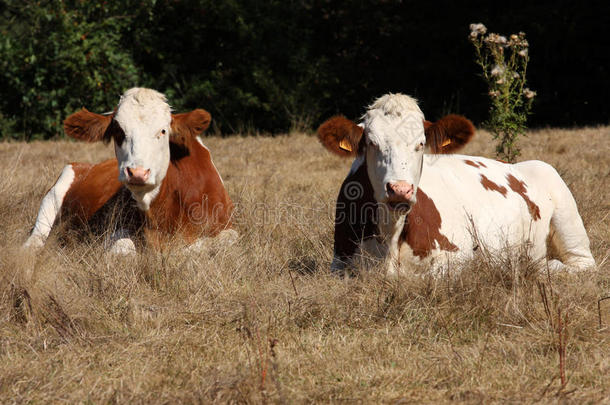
(391, 141)
(394, 140)
(142, 128)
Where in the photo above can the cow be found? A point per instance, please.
(436, 209)
(162, 183)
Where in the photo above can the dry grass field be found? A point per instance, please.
(265, 322)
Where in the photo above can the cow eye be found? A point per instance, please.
(162, 132)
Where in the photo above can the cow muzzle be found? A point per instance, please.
(137, 176)
(400, 195)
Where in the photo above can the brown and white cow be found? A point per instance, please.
(162, 183)
(400, 204)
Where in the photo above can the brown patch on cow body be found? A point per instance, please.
(92, 187)
(97, 202)
(474, 164)
(520, 188)
(422, 228)
(192, 200)
(490, 185)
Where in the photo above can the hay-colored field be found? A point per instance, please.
(265, 322)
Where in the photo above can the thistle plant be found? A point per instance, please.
(504, 63)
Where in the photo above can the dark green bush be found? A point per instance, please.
(272, 65)
(56, 57)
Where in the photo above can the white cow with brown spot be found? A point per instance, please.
(400, 204)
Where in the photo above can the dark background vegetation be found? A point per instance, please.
(275, 65)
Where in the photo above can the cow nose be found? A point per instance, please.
(399, 190)
(137, 175)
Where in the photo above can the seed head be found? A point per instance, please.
(498, 70)
(529, 94)
(477, 29)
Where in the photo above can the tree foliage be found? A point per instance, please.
(273, 65)
(56, 57)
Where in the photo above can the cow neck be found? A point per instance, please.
(354, 213)
(181, 158)
(390, 225)
(187, 202)
(359, 217)
(144, 200)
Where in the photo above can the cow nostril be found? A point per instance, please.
(128, 172)
(399, 190)
(389, 189)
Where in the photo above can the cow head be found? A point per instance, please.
(391, 141)
(142, 128)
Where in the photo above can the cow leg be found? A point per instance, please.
(50, 208)
(568, 234)
(567, 231)
(224, 239)
(337, 265)
(554, 266)
(390, 228)
(121, 244)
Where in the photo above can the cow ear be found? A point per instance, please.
(340, 136)
(186, 126)
(449, 134)
(87, 126)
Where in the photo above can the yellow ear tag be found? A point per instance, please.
(447, 142)
(345, 145)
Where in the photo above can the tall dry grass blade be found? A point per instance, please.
(561, 346)
(178, 327)
(599, 309)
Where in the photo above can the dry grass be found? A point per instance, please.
(265, 322)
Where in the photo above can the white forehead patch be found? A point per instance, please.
(395, 104)
(140, 107)
(394, 115)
